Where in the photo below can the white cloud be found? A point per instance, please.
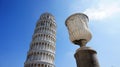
(103, 10)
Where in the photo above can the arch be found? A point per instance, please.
(48, 46)
(43, 56)
(49, 36)
(34, 44)
(39, 43)
(40, 28)
(45, 29)
(50, 24)
(45, 45)
(42, 23)
(46, 54)
(33, 53)
(45, 65)
(37, 53)
(38, 65)
(41, 35)
(41, 46)
(38, 35)
(42, 65)
(42, 43)
(35, 65)
(44, 36)
(32, 65)
(40, 55)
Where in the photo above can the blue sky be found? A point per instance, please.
(18, 19)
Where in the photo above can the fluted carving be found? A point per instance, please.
(78, 29)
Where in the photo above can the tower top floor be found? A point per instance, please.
(47, 16)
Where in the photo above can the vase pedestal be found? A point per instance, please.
(86, 57)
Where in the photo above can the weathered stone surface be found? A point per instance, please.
(78, 28)
(86, 57)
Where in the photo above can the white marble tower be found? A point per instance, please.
(42, 47)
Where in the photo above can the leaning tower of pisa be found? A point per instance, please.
(42, 47)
